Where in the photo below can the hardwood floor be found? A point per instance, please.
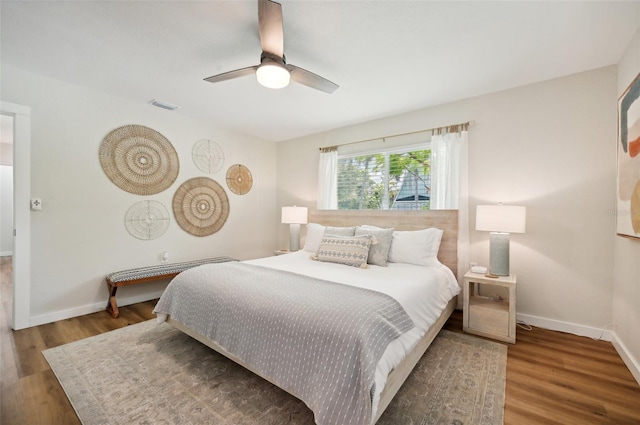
(552, 377)
(564, 379)
(29, 391)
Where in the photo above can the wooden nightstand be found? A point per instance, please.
(489, 317)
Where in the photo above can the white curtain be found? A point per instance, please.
(328, 179)
(450, 185)
(446, 155)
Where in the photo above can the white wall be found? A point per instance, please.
(549, 146)
(626, 295)
(6, 149)
(80, 236)
(6, 210)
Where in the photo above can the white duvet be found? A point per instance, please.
(422, 291)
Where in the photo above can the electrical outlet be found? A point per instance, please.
(36, 204)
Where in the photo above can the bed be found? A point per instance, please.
(404, 326)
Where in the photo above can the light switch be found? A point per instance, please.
(36, 204)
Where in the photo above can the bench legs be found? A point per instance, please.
(112, 304)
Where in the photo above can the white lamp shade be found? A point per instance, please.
(501, 218)
(294, 215)
(273, 75)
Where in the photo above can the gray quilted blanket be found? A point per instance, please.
(316, 339)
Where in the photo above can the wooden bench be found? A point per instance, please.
(149, 274)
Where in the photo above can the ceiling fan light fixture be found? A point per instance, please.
(273, 75)
(274, 71)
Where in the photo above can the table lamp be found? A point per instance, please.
(294, 217)
(500, 220)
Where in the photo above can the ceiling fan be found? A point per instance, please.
(274, 71)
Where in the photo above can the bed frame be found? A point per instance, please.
(447, 220)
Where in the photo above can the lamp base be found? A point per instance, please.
(499, 254)
(294, 237)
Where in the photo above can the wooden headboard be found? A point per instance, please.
(447, 220)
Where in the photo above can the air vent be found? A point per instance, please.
(163, 105)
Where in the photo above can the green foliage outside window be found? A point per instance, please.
(375, 181)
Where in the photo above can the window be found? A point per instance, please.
(412, 171)
(395, 179)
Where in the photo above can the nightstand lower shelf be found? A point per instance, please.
(488, 317)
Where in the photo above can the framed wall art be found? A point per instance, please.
(628, 208)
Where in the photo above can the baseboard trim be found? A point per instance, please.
(90, 308)
(597, 333)
(632, 363)
(572, 328)
(6, 254)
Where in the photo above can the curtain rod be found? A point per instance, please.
(454, 128)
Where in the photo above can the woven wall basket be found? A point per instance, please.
(239, 179)
(201, 206)
(147, 220)
(208, 156)
(139, 160)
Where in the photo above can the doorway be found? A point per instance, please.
(6, 186)
(6, 214)
(18, 117)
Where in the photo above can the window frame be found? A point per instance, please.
(385, 203)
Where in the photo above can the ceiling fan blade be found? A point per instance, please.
(232, 74)
(312, 80)
(271, 32)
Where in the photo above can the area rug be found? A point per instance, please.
(154, 374)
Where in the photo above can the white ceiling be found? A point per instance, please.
(388, 57)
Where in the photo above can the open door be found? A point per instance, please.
(21, 120)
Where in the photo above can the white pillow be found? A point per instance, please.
(315, 232)
(418, 247)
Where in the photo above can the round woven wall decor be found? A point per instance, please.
(208, 156)
(201, 206)
(139, 160)
(239, 179)
(147, 220)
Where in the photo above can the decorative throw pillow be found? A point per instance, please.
(379, 252)
(415, 247)
(349, 250)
